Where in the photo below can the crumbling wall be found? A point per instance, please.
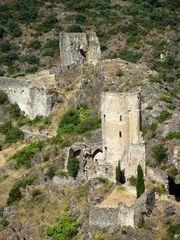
(78, 48)
(33, 100)
(122, 215)
(112, 218)
(134, 155)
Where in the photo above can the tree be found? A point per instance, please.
(159, 153)
(73, 167)
(66, 228)
(140, 187)
(118, 173)
(3, 97)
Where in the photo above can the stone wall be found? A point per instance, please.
(79, 48)
(30, 93)
(123, 215)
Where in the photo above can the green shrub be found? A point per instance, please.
(159, 153)
(31, 59)
(36, 192)
(14, 29)
(119, 73)
(2, 31)
(73, 167)
(132, 181)
(74, 28)
(34, 44)
(164, 115)
(172, 231)
(172, 171)
(9, 58)
(15, 194)
(69, 121)
(172, 135)
(32, 69)
(140, 187)
(15, 110)
(88, 125)
(118, 173)
(66, 228)
(27, 10)
(51, 172)
(13, 135)
(160, 188)
(48, 23)
(3, 97)
(24, 156)
(4, 222)
(4, 128)
(51, 47)
(127, 55)
(77, 121)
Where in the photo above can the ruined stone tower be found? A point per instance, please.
(79, 48)
(121, 137)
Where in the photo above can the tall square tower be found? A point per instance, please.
(121, 137)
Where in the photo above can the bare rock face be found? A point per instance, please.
(79, 48)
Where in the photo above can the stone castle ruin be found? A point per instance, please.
(122, 143)
(79, 48)
(31, 93)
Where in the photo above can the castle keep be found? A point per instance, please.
(121, 137)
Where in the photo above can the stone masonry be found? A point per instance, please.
(79, 48)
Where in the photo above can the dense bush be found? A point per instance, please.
(172, 135)
(15, 194)
(14, 29)
(66, 228)
(173, 230)
(13, 135)
(74, 28)
(159, 153)
(15, 110)
(31, 59)
(51, 172)
(2, 31)
(164, 115)
(3, 97)
(51, 47)
(24, 156)
(73, 167)
(77, 121)
(127, 55)
(48, 23)
(119, 72)
(140, 187)
(34, 44)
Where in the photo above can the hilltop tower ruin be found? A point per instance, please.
(121, 136)
(79, 48)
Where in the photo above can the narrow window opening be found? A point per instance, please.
(120, 118)
(104, 117)
(105, 148)
(120, 135)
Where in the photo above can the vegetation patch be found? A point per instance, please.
(15, 194)
(66, 228)
(159, 153)
(73, 167)
(163, 116)
(24, 156)
(172, 135)
(140, 186)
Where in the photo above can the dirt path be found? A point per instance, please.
(126, 195)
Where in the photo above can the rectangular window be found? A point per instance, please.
(120, 135)
(120, 118)
(104, 117)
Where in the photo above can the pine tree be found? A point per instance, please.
(118, 173)
(140, 187)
